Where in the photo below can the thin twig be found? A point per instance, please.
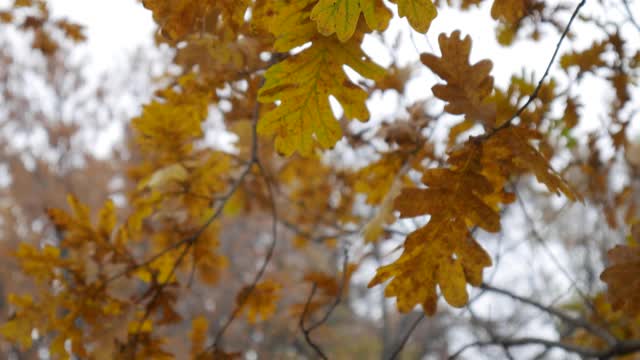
(261, 271)
(307, 333)
(406, 337)
(338, 299)
(536, 235)
(560, 315)
(307, 330)
(619, 349)
(490, 330)
(630, 14)
(274, 233)
(157, 291)
(535, 92)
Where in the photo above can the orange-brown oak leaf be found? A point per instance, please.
(509, 11)
(260, 301)
(443, 253)
(623, 278)
(468, 86)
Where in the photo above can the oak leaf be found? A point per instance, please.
(601, 313)
(198, 335)
(571, 116)
(18, 329)
(374, 228)
(511, 148)
(168, 174)
(341, 16)
(622, 278)
(289, 22)
(443, 252)
(509, 11)
(468, 86)
(168, 126)
(375, 180)
(419, 13)
(259, 301)
(302, 84)
(586, 60)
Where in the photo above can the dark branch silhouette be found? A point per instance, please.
(306, 330)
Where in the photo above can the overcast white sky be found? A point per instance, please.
(114, 28)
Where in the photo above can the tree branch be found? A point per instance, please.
(630, 14)
(619, 349)
(535, 92)
(602, 333)
(406, 337)
(274, 229)
(307, 330)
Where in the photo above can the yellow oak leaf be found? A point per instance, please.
(341, 16)
(420, 13)
(206, 179)
(18, 331)
(19, 328)
(167, 127)
(161, 269)
(375, 180)
(622, 278)
(302, 84)
(468, 86)
(374, 228)
(80, 234)
(57, 348)
(198, 335)
(259, 301)
(140, 324)
(107, 219)
(290, 23)
(208, 262)
(39, 263)
(80, 210)
(168, 174)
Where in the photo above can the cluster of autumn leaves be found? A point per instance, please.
(98, 279)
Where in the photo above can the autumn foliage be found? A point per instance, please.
(206, 248)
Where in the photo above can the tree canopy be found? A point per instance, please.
(477, 219)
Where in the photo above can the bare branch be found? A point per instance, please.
(406, 337)
(602, 333)
(630, 14)
(619, 349)
(274, 230)
(307, 330)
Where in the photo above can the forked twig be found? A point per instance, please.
(307, 330)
